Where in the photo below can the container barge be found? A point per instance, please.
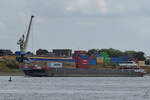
(49, 68)
(38, 71)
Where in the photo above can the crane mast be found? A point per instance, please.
(28, 33)
(23, 42)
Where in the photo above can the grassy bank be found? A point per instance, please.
(5, 70)
(8, 66)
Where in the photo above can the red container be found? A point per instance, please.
(77, 58)
(79, 52)
(82, 61)
(73, 56)
(92, 57)
(134, 59)
(82, 65)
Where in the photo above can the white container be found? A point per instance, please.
(128, 63)
(54, 65)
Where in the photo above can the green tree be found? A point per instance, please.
(112, 52)
(117, 53)
(140, 56)
(92, 52)
(130, 53)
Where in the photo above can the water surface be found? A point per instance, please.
(75, 88)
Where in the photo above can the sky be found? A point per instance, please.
(76, 24)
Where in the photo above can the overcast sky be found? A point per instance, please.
(76, 24)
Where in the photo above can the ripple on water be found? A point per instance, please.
(74, 88)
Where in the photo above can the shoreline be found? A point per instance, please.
(20, 73)
(15, 73)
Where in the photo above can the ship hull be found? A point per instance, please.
(78, 72)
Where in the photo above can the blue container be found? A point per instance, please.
(92, 62)
(124, 58)
(115, 60)
(42, 59)
(19, 53)
(83, 56)
(118, 60)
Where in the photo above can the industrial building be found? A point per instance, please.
(4, 52)
(62, 52)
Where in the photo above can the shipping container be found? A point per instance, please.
(92, 62)
(83, 61)
(92, 57)
(107, 60)
(73, 56)
(82, 65)
(19, 53)
(83, 56)
(115, 60)
(134, 59)
(76, 53)
(46, 59)
(99, 61)
(54, 65)
(124, 58)
(141, 63)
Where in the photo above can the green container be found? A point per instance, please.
(106, 58)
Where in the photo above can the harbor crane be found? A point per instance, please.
(23, 42)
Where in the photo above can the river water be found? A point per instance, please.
(75, 88)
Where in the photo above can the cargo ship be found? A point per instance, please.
(38, 71)
(50, 68)
(56, 69)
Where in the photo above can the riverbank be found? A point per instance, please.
(10, 69)
(12, 73)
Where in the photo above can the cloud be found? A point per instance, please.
(78, 5)
(87, 6)
(2, 25)
(56, 19)
(103, 7)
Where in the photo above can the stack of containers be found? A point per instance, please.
(106, 58)
(100, 60)
(141, 63)
(134, 59)
(81, 59)
(115, 60)
(124, 58)
(92, 60)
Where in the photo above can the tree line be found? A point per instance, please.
(118, 53)
(139, 55)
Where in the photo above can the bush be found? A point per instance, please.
(12, 65)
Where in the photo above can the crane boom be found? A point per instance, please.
(28, 33)
(24, 42)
